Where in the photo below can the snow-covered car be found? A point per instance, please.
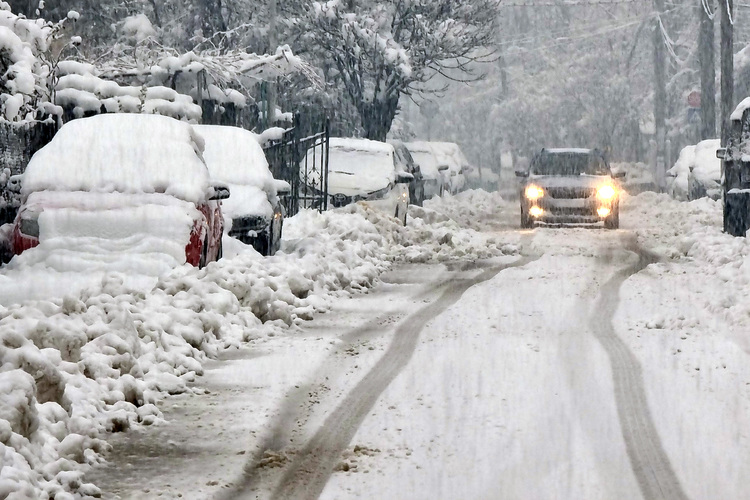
(696, 173)
(361, 170)
(253, 213)
(449, 153)
(405, 162)
(122, 183)
(569, 185)
(436, 182)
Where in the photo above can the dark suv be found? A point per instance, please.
(571, 185)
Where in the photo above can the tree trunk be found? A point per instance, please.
(377, 117)
(708, 72)
(727, 75)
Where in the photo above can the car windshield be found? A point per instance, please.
(569, 164)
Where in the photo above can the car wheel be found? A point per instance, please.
(204, 254)
(526, 221)
(736, 214)
(613, 221)
(262, 243)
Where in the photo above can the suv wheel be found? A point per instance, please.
(526, 221)
(736, 214)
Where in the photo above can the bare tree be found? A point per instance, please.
(396, 47)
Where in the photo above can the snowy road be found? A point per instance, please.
(572, 371)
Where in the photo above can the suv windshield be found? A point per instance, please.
(569, 164)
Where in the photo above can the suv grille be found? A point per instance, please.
(569, 193)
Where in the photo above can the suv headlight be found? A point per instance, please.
(534, 192)
(606, 192)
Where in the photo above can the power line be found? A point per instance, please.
(575, 3)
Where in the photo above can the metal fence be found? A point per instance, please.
(303, 163)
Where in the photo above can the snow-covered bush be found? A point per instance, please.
(28, 49)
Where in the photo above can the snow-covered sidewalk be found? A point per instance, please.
(99, 357)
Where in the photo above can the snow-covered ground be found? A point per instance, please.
(509, 392)
(100, 350)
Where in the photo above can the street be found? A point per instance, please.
(576, 369)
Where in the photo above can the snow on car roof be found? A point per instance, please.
(568, 150)
(127, 153)
(740, 109)
(234, 155)
(363, 145)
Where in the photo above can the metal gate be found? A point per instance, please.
(303, 163)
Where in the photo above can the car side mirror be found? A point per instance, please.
(282, 187)
(218, 192)
(619, 175)
(404, 177)
(443, 168)
(14, 183)
(721, 153)
(522, 173)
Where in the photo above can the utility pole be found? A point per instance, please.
(660, 95)
(708, 69)
(727, 62)
(272, 45)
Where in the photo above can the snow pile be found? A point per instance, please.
(638, 176)
(696, 173)
(153, 154)
(76, 368)
(473, 208)
(692, 232)
(234, 157)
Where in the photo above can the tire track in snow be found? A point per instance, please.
(650, 463)
(308, 473)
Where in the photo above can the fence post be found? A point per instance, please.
(295, 163)
(324, 163)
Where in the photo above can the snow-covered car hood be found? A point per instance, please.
(354, 184)
(244, 201)
(569, 180)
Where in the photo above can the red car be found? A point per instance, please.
(123, 185)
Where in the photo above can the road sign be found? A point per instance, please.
(694, 99)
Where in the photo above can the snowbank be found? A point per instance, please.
(99, 361)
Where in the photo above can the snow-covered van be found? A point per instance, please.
(118, 188)
(361, 170)
(253, 214)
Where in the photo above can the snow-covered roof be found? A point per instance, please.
(234, 156)
(128, 153)
(80, 88)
